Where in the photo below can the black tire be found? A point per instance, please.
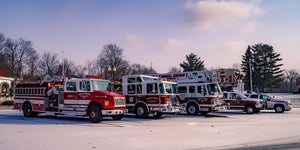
(27, 111)
(95, 114)
(250, 109)
(158, 114)
(192, 109)
(204, 113)
(257, 110)
(141, 111)
(117, 117)
(279, 109)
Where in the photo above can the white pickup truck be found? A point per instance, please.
(271, 103)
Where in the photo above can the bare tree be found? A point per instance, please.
(69, 68)
(10, 52)
(49, 63)
(2, 41)
(175, 69)
(290, 77)
(80, 71)
(112, 57)
(236, 66)
(24, 51)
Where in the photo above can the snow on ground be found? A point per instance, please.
(222, 130)
(228, 129)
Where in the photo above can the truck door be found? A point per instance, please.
(70, 95)
(235, 100)
(84, 93)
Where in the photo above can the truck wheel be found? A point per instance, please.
(157, 114)
(279, 109)
(117, 117)
(203, 113)
(250, 109)
(192, 109)
(141, 111)
(95, 114)
(257, 110)
(27, 111)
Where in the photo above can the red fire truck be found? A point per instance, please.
(197, 91)
(90, 96)
(148, 94)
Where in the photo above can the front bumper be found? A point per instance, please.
(167, 109)
(112, 112)
(288, 108)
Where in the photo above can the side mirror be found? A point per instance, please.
(239, 98)
(268, 99)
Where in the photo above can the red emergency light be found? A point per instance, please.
(93, 77)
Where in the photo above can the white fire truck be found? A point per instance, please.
(228, 79)
(197, 91)
(90, 96)
(148, 94)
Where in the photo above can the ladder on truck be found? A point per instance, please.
(188, 77)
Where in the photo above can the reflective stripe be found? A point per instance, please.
(151, 105)
(30, 97)
(79, 102)
(31, 101)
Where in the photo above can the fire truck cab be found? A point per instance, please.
(148, 94)
(89, 96)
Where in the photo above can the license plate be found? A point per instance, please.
(203, 109)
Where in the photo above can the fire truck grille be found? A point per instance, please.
(119, 102)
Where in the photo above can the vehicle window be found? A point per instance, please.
(191, 89)
(138, 80)
(233, 96)
(225, 95)
(131, 80)
(204, 90)
(168, 88)
(182, 89)
(101, 85)
(139, 89)
(161, 88)
(175, 89)
(131, 89)
(71, 86)
(199, 89)
(213, 89)
(265, 97)
(84, 86)
(254, 96)
(152, 88)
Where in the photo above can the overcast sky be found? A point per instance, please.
(157, 31)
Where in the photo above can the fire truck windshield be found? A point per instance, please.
(101, 85)
(168, 88)
(213, 89)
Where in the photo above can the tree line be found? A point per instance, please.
(20, 60)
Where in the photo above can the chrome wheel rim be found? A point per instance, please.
(192, 109)
(140, 111)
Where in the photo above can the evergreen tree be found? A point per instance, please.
(266, 71)
(193, 63)
(246, 67)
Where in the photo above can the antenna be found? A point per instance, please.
(151, 68)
